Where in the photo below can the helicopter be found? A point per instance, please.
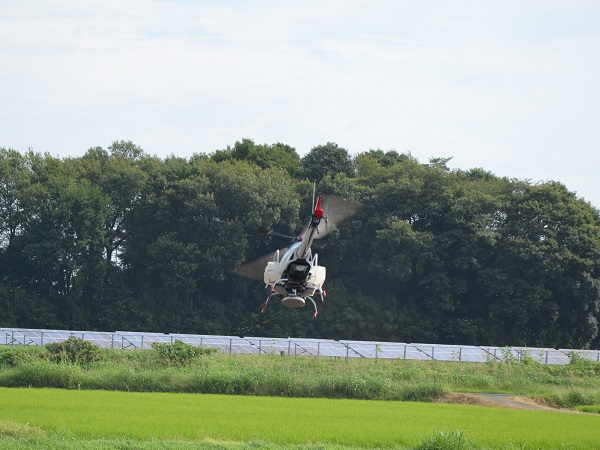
(293, 274)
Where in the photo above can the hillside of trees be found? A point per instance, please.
(121, 240)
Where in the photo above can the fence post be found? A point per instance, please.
(405, 350)
(546, 362)
(142, 345)
(459, 354)
(230, 340)
(42, 339)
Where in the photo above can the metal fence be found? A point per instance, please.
(127, 340)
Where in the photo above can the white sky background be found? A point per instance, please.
(512, 86)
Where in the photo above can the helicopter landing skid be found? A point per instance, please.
(322, 294)
(266, 303)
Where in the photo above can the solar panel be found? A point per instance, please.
(299, 346)
(389, 350)
(556, 357)
(226, 344)
(101, 339)
(305, 347)
(474, 354)
(265, 345)
(333, 349)
(592, 355)
(14, 337)
(372, 349)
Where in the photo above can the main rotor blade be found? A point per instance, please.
(277, 234)
(255, 269)
(337, 209)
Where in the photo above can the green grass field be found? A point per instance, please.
(225, 421)
(140, 400)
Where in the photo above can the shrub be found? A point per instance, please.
(446, 440)
(74, 350)
(508, 356)
(13, 357)
(583, 366)
(179, 353)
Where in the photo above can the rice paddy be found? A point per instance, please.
(136, 400)
(285, 422)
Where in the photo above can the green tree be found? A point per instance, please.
(118, 239)
(121, 181)
(263, 155)
(544, 271)
(328, 159)
(126, 150)
(14, 178)
(60, 242)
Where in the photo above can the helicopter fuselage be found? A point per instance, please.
(295, 276)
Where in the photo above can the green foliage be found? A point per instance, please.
(423, 391)
(118, 239)
(329, 159)
(74, 350)
(265, 156)
(446, 440)
(573, 398)
(272, 375)
(11, 357)
(179, 353)
(46, 374)
(583, 366)
(589, 409)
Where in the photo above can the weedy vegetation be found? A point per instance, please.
(329, 409)
(74, 350)
(179, 353)
(179, 367)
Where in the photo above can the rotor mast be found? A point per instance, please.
(312, 230)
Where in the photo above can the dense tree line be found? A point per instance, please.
(118, 239)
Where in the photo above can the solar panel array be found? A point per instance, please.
(133, 340)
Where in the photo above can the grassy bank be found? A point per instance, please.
(269, 375)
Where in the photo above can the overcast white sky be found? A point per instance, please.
(512, 86)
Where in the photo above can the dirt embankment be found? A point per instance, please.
(499, 401)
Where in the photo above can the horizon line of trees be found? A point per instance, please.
(118, 239)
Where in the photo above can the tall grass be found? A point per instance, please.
(446, 440)
(270, 375)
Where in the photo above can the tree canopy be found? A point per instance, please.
(118, 239)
